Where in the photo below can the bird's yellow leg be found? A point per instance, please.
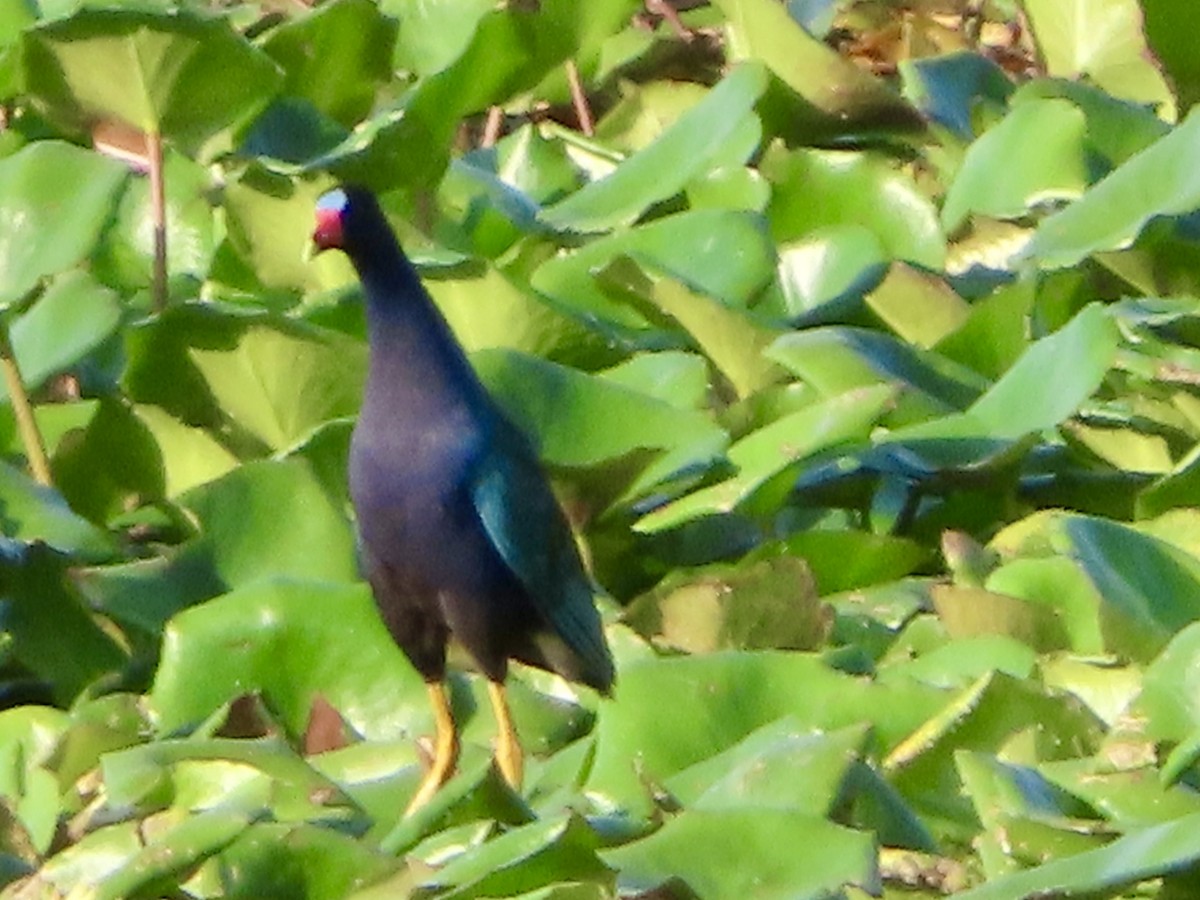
(509, 756)
(445, 747)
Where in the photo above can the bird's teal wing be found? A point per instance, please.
(528, 529)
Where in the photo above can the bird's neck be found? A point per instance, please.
(417, 367)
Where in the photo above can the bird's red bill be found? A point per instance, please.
(328, 231)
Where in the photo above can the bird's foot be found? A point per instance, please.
(445, 750)
(429, 786)
(510, 758)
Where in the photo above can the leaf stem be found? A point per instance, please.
(158, 209)
(31, 438)
(491, 127)
(583, 110)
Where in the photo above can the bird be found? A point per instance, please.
(460, 535)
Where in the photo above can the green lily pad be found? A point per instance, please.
(337, 56)
(277, 859)
(1034, 157)
(822, 857)
(996, 712)
(58, 197)
(1111, 215)
(733, 276)
(770, 604)
(1136, 857)
(73, 317)
(819, 189)
(179, 74)
(819, 76)
(642, 741)
(525, 858)
(241, 542)
(36, 513)
(290, 640)
(1103, 44)
(656, 173)
(764, 454)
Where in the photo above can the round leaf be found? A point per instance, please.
(57, 198)
(176, 73)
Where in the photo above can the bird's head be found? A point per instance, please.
(346, 219)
